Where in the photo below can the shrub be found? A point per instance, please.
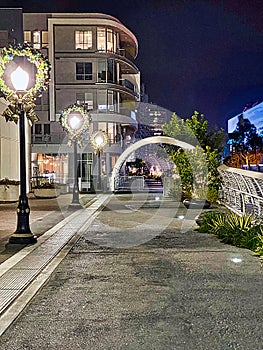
(230, 228)
(7, 181)
(205, 220)
(176, 189)
(46, 185)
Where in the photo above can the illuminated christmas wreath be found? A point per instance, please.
(75, 134)
(100, 136)
(33, 56)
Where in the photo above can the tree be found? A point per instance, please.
(214, 138)
(191, 165)
(245, 136)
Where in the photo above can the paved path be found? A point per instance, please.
(178, 291)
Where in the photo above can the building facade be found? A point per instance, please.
(11, 31)
(92, 59)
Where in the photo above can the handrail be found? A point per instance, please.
(242, 190)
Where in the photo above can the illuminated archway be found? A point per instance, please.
(143, 142)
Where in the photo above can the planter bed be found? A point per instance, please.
(46, 192)
(9, 193)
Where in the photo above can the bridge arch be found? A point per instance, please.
(144, 142)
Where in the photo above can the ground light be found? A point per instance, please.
(21, 108)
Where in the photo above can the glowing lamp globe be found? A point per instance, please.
(20, 79)
(75, 121)
(99, 140)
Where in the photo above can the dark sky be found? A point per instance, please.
(205, 55)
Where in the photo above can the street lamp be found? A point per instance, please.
(75, 122)
(23, 233)
(22, 107)
(98, 140)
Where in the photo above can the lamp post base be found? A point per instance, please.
(22, 238)
(75, 206)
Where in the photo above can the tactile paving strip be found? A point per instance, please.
(14, 281)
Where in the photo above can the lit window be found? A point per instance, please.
(101, 39)
(44, 39)
(83, 40)
(37, 39)
(84, 71)
(102, 126)
(109, 40)
(106, 40)
(27, 36)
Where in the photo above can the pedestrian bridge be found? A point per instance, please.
(242, 190)
(115, 178)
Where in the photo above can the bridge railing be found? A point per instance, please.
(242, 190)
(128, 183)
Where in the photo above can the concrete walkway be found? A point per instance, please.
(133, 281)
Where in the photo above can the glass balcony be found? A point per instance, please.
(54, 138)
(126, 54)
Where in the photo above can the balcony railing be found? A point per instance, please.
(55, 138)
(126, 83)
(125, 54)
(59, 138)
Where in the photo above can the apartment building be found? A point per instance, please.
(92, 58)
(11, 31)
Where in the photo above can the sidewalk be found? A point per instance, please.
(44, 214)
(173, 291)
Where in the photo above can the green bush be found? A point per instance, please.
(46, 185)
(7, 181)
(230, 228)
(205, 220)
(212, 195)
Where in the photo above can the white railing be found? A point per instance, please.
(242, 190)
(129, 183)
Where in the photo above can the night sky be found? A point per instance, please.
(205, 55)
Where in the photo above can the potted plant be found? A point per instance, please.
(9, 190)
(46, 190)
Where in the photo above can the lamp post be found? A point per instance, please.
(98, 140)
(23, 234)
(75, 122)
(20, 109)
